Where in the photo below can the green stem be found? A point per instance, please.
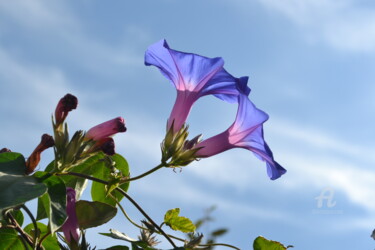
(144, 174)
(36, 234)
(127, 216)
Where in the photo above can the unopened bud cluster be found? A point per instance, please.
(177, 150)
(70, 152)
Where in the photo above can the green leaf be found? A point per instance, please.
(118, 248)
(140, 245)
(123, 166)
(178, 223)
(10, 239)
(43, 207)
(93, 214)
(18, 189)
(18, 216)
(12, 163)
(219, 232)
(50, 242)
(261, 243)
(99, 191)
(57, 199)
(115, 234)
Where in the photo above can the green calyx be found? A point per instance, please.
(176, 150)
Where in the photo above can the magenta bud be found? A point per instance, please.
(5, 150)
(71, 227)
(65, 105)
(108, 146)
(106, 129)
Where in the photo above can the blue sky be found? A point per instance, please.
(310, 64)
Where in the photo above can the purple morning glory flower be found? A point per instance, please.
(193, 76)
(71, 227)
(246, 132)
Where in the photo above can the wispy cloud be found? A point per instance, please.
(57, 23)
(344, 25)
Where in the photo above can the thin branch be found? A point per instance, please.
(160, 231)
(36, 234)
(145, 215)
(127, 216)
(23, 234)
(43, 238)
(172, 236)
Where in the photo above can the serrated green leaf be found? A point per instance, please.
(57, 199)
(178, 223)
(93, 214)
(50, 242)
(261, 243)
(10, 239)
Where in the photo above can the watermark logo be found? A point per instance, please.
(326, 195)
(325, 202)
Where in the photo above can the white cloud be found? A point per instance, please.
(344, 25)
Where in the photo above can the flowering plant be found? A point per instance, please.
(91, 156)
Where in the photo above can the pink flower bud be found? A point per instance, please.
(71, 227)
(65, 105)
(106, 129)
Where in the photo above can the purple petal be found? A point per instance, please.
(158, 55)
(226, 87)
(248, 119)
(195, 73)
(255, 143)
(187, 71)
